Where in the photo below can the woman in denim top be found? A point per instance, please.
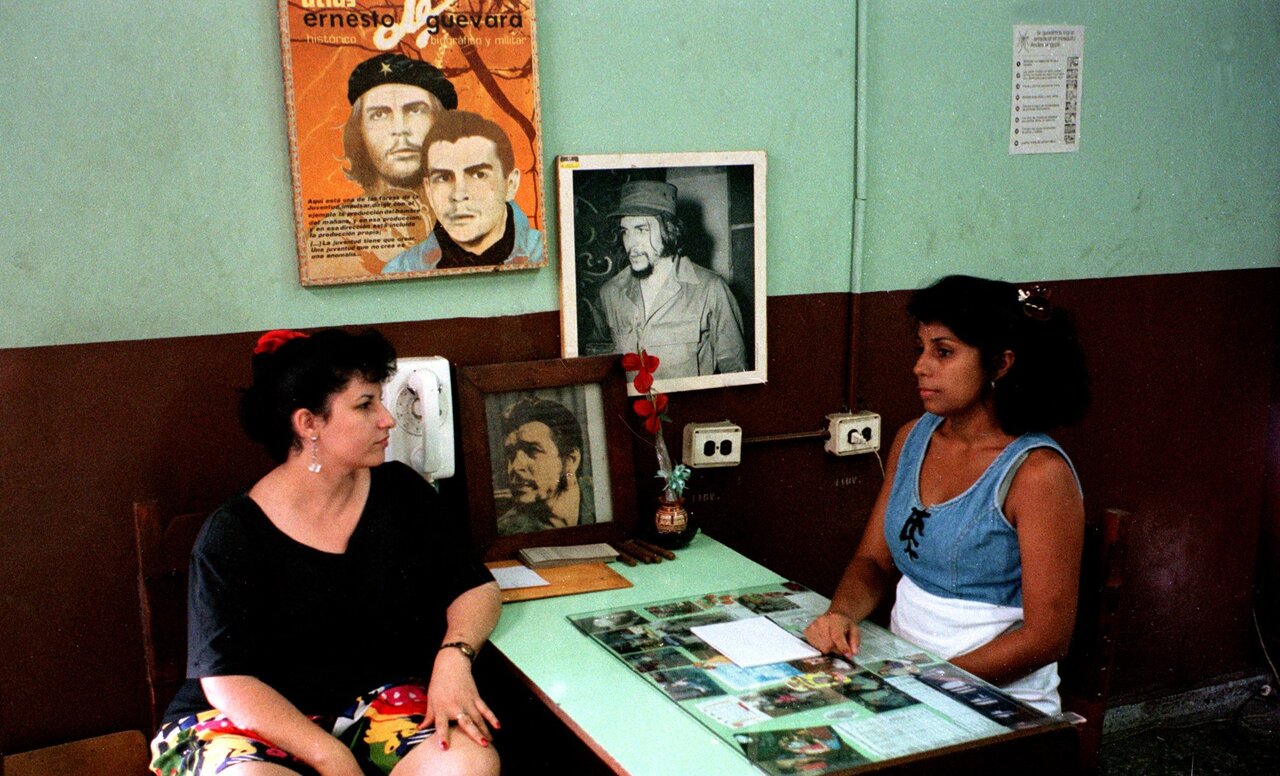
(980, 519)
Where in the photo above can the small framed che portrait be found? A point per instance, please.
(666, 253)
(542, 441)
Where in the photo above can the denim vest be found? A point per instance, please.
(963, 547)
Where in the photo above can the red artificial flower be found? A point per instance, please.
(651, 411)
(644, 365)
(640, 362)
(272, 340)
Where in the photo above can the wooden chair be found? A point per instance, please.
(163, 553)
(1087, 669)
(117, 754)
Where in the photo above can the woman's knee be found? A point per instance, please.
(464, 757)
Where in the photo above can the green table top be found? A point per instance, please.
(640, 728)
(894, 701)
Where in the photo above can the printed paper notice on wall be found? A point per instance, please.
(1045, 115)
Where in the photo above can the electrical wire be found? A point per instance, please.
(1263, 643)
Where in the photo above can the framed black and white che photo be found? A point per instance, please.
(666, 253)
(541, 443)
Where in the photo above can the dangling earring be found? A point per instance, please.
(993, 385)
(314, 467)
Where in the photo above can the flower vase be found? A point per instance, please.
(673, 527)
(671, 516)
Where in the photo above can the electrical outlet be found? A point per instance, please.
(712, 444)
(851, 433)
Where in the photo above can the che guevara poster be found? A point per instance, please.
(414, 137)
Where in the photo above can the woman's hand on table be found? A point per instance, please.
(833, 632)
(452, 697)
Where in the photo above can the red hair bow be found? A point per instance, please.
(272, 340)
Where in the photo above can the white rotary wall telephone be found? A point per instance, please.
(420, 398)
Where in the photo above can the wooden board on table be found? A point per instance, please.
(565, 580)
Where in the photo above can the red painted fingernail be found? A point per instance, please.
(444, 744)
(484, 742)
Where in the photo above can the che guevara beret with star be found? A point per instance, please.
(393, 68)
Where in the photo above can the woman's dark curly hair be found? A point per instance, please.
(305, 373)
(1048, 383)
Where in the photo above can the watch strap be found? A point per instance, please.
(462, 647)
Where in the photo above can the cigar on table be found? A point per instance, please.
(640, 552)
(663, 551)
(624, 557)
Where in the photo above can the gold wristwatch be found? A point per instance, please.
(462, 647)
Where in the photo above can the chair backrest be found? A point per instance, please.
(164, 552)
(1087, 669)
(117, 754)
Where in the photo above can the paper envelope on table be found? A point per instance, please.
(755, 641)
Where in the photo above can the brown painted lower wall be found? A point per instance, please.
(1183, 367)
(1268, 592)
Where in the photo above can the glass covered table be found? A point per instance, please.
(624, 671)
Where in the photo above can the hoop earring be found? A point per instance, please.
(314, 467)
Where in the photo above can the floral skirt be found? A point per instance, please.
(380, 728)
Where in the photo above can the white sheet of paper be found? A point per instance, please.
(512, 577)
(755, 641)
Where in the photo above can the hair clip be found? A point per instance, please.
(272, 340)
(1035, 302)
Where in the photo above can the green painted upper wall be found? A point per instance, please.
(147, 191)
(1179, 161)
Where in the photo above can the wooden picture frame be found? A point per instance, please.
(518, 449)
(708, 324)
